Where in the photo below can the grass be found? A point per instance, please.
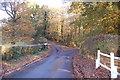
(23, 60)
(37, 54)
(43, 51)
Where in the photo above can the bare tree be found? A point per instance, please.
(11, 8)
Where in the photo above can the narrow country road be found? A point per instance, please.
(58, 65)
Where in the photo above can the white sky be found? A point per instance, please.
(50, 3)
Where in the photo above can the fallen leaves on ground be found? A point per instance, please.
(85, 68)
(13, 65)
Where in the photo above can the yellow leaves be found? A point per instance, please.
(110, 3)
(25, 39)
(110, 6)
(5, 49)
(94, 4)
(23, 29)
(31, 15)
(110, 29)
(5, 63)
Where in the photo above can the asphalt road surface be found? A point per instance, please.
(58, 65)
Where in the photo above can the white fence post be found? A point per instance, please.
(113, 67)
(98, 59)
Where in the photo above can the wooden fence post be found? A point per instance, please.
(98, 59)
(113, 67)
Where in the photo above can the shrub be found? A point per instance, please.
(106, 44)
(9, 52)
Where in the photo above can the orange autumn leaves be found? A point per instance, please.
(22, 29)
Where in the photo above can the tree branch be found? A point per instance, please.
(2, 9)
(11, 7)
(8, 12)
(18, 18)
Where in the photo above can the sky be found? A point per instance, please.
(50, 3)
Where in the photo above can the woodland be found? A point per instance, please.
(85, 25)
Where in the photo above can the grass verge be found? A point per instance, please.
(16, 64)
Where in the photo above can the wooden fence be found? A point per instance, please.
(30, 45)
(113, 68)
